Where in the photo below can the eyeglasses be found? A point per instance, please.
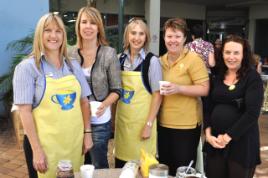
(133, 19)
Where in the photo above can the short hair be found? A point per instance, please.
(94, 15)
(38, 45)
(133, 22)
(176, 24)
(247, 60)
(197, 31)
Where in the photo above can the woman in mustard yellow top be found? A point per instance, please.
(180, 113)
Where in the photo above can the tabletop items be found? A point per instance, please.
(65, 169)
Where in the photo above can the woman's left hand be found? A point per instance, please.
(170, 89)
(224, 138)
(88, 143)
(101, 110)
(146, 132)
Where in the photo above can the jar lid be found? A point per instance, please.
(65, 165)
(159, 170)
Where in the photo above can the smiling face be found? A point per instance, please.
(233, 55)
(137, 38)
(174, 40)
(52, 36)
(88, 28)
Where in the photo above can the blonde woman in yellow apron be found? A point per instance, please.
(135, 125)
(51, 94)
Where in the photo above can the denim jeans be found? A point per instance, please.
(97, 156)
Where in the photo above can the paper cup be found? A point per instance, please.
(94, 107)
(86, 171)
(161, 83)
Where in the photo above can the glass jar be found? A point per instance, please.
(65, 169)
(158, 171)
(181, 172)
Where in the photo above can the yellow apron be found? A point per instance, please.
(59, 123)
(131, 116)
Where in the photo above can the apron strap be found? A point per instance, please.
(142, 67)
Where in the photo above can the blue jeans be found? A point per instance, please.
(97, 156)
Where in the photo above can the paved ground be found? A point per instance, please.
(12, 162)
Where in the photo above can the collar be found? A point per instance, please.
(141, 53)
(164, 58)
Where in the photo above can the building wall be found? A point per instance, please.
(17, 21)
(257, 12)
(187, 11)
(131, 7)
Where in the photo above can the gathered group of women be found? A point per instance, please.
(54, 86)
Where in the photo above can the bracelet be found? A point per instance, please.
(88, 131)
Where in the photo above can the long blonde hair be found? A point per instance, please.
(38, 46)
(133, 22)
(94, 15)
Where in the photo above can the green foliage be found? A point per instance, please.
(20, 48)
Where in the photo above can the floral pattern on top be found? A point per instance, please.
(201, 47)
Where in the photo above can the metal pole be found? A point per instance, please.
(120, 25)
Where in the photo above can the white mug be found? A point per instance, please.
(86, 171)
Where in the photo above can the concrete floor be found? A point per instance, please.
(12, 161)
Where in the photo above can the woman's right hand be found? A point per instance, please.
(39, 160)
(214, 141)
(88, 143)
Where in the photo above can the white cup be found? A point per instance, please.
(94, 107)
(161, 83)
(86, 171)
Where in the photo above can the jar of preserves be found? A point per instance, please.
(65, 169)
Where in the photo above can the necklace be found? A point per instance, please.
(231, 87)
(232, 84)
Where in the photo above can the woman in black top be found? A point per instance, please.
(232, 133)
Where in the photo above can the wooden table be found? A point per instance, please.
(106, 173)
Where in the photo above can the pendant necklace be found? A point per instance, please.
(232, 86)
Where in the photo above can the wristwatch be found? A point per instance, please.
(149, 123)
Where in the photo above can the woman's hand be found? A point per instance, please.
(146, 132)
(170, 89)
(224, 139)
(39, 160)
(88, 143)
(214, 141)
(101, 110)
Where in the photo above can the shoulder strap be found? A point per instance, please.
(82, 59)
(145, 69)
(122, 60)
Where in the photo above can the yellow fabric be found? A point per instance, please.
(59, 123)
(180, 111)
(131, 116)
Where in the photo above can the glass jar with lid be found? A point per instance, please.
(65, 169)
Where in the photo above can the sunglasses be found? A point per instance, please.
(133, 19)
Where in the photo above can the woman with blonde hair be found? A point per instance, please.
(135, 125)
(101, 68)
(51, 94)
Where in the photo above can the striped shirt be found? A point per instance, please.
(29, 82)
